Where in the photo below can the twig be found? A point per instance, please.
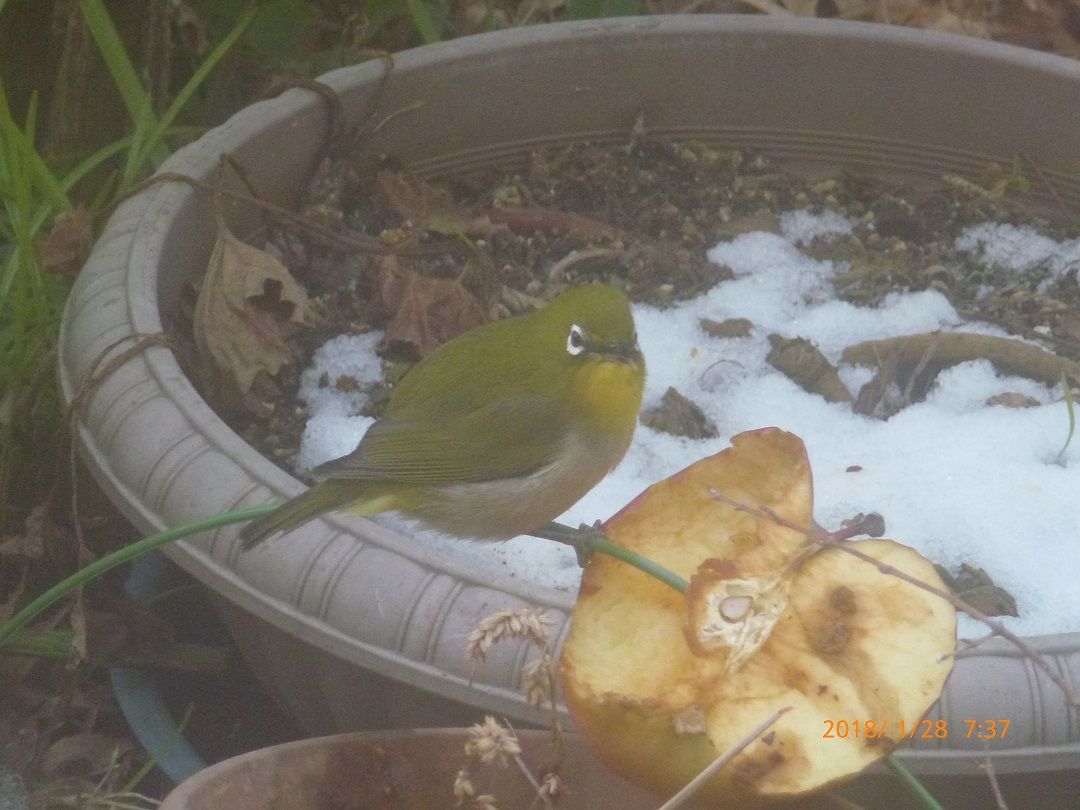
(692, 787)
(88, 386)
(328, 236)
(555, 272)
(995, 626)
(987, 766)
(825, 540)
(532, 781)
(390, 116)
(920, 367)
(525, 770)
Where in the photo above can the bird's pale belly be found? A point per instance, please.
(498, 510)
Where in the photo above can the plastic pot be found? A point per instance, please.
(353, 625)
(400, 769)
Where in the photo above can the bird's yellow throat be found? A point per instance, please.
(610, 392)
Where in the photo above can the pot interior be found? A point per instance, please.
(816, 96)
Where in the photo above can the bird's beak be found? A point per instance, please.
(627, 353)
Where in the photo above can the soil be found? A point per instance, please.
(640, 215)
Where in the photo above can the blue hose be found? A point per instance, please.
(146, 713)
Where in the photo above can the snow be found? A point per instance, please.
(957, 479)
(1020, 249)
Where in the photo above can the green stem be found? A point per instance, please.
(121, 556)
(913, 785)
(654, 569)
(173, 655)
(589, 541)
(585, 541)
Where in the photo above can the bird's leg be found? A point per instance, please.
(582, 540)
(587, 540)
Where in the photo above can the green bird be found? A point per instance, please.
(496, 432)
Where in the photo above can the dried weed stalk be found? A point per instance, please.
(491, 742)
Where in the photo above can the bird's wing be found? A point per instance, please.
(511, 438)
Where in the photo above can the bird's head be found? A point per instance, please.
(590, 329)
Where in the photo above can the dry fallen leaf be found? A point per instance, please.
(89, 754)
(679, 416)
(33, 558)
(930, 352)
(69, 241)
(247, 303)
(831, 637)
(427, 207)
(805, 365)
(731, 328)
(423, 312)
(433, 210)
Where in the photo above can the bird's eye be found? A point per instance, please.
(575, 341)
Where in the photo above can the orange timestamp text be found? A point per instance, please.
(919, 730)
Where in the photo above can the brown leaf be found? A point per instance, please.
(928, 353)
(69, 241)
(427, 207)
(1034, 24)
(679, 416)
(44, 548)
(976, 587)
(939, 18)
(804, 364)
(114, 627)
(1012, 399)
(423, 312)
(13, 576)
(433, 210)
(85, 754)
(247, 303)
(731, 328)
(761, 220)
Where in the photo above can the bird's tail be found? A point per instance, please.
(323, 497)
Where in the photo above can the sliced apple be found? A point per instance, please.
(661, 683)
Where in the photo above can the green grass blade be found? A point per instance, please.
(423, 21)
(116, 57)
(157, 130)
(140, 146)
(1071, 406)
(19, 152)
(133, 783)
(595, 9)
(46, 212)
(119, 557)
(916, 788)
(93, 160)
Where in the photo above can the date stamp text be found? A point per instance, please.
(920, 730)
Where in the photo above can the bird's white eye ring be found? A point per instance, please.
(575, 341)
